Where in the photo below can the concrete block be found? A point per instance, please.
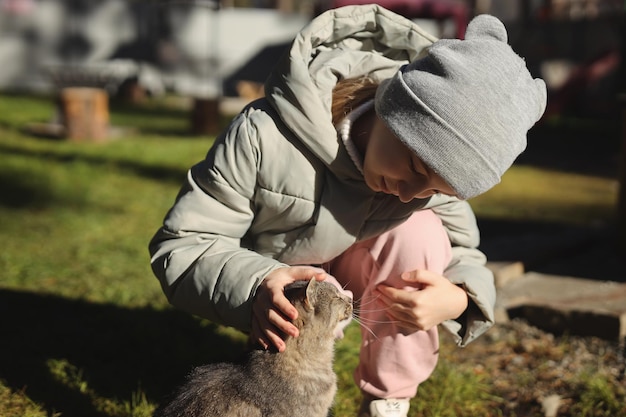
(505, 272)
(567, 305)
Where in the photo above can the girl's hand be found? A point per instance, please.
(434, 300)
(272, 312)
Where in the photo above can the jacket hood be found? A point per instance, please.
(347, 42)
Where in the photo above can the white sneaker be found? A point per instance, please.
(389, 408)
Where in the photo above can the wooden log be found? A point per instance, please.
(85, 113)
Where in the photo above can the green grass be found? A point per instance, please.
(85, 329)
(546, 195)
(598, 397)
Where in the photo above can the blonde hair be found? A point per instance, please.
(349, 93)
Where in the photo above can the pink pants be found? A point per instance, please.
(392, 361)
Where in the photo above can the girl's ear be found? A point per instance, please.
(309, 299)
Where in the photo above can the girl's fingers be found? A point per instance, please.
(256, 335)
(283, 304)
(281, 324)
(267, 336)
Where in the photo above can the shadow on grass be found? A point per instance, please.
(583, 251)
(116, 351)
(157, 172)
(590, 147)
(17, 191)
(151, 117)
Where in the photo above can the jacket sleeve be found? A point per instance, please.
(467, 269)
(197, 254)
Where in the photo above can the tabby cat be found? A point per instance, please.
(299, 382)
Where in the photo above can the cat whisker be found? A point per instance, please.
(361, 305)
(371, 299)
(368, 320)
(366, 327)
(372, 321)
(372, 310)
(367, 323)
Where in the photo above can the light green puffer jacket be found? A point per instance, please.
(278, 187)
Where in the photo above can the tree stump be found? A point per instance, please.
(85, 113)
(621, 202)
(205, 116)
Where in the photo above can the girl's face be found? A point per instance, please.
(392, 168)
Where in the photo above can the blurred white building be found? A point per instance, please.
(186, 46)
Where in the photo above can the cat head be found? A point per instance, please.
(318, 302)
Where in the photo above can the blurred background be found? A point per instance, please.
(205, 47)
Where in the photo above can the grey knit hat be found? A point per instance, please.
(466, 107)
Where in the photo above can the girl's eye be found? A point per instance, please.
(417, 167)
(415, 170)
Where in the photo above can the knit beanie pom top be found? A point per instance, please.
(465, 108)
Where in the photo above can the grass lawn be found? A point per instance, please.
(85, 329)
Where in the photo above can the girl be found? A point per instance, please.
(355, 168)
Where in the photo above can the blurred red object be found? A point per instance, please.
(17, 7)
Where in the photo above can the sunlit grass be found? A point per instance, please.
(537, 194)
(17, 404)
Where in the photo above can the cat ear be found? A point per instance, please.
(309, 299)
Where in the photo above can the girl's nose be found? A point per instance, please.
(408, 191)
